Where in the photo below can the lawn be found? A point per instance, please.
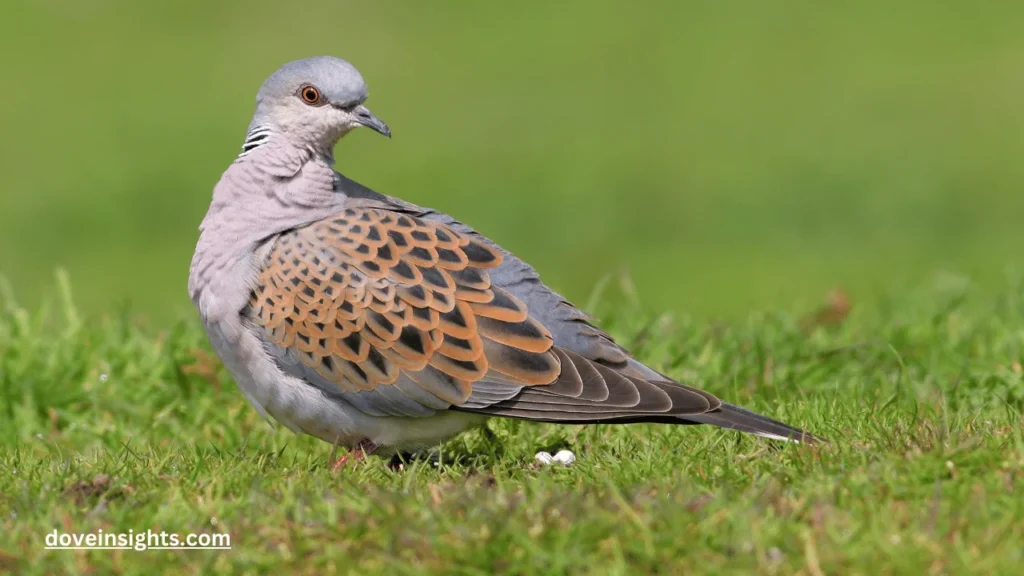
(737, 161)
(107, 423)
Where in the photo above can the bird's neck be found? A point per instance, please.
(256, 137)
(260, 134)
(273, 186)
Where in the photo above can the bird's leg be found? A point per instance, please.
(357, 454)
(400, 459)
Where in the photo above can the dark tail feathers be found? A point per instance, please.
(736, 418)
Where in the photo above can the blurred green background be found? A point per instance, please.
(730, 155)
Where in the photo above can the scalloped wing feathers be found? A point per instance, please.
(400, 315)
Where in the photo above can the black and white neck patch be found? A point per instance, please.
(254, 139)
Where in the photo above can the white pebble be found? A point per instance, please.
(565, 458)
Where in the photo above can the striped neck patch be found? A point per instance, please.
(255, 138)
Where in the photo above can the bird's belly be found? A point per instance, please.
(337, 422)
(393, 434)
(303, 408)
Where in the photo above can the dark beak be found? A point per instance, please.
(366, 118)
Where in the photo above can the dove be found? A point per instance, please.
(385, 327)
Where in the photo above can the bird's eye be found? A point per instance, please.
(311, 95)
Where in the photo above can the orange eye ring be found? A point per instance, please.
(311, 95)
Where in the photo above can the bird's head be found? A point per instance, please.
(315, 102)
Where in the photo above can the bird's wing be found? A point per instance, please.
(400, 314)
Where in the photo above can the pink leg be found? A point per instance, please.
(357, 454)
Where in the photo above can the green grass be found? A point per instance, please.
(733, 156)
(107, 423)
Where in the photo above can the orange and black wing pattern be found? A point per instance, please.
(371, 294)
(398, 315)
(387, 306)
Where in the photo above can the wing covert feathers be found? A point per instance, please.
(374, 300)
(370, 294)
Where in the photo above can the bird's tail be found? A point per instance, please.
(736, 418)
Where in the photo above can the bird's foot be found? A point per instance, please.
(357, 454)
(400, 459)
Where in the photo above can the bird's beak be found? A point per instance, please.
(366, 118)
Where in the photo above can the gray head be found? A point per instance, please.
(315, 102)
